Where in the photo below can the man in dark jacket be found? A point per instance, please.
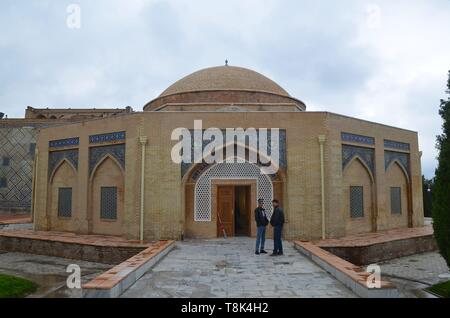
(277, 221)
(261, 223)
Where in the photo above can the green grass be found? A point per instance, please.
(442, 289)
(15, 287)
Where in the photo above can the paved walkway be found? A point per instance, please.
(415, 272)
(48, 272)
(228, 268)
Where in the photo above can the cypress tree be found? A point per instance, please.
(441, 189)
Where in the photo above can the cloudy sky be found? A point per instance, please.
(383, 61)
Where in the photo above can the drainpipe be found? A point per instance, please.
(322, 140)
(33, 204)
(143, 141)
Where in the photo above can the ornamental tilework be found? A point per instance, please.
(109, 137)
(15, 144)
(282, 151)
(64, 142)
(401, 157)
(96, 154)
(396, 145)
(55, 157)
(366, 154)
(357, 138)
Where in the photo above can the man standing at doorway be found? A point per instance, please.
(261, 223)
(277, 221)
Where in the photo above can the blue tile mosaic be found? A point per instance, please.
(348, 137)
(401, 157)
(282, 151)
(96, 154)
(366, 154)
(109, 137)
(68, 142)
(396, 145)
(55, 157)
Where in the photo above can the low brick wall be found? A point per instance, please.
(352, 276)
(378, 252)
(118, 279)
(92, 253)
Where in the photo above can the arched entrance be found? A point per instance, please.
(222, 196)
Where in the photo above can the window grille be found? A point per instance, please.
(65, 202)
(396, 200)
(108, 202)
(357, 202)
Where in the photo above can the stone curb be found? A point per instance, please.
(112, 283)
(347, 273)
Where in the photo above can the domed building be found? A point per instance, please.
(194, 163)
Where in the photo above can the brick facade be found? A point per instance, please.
(167, 201)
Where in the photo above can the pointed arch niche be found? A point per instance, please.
(63, 176)
(106, 173)
(397, 177)
(357, 173)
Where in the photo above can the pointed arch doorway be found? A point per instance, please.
(233, 206)
(223, 196)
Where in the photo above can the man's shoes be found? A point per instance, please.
(263, 252)
(256, 253)
(280, 254)
(274, 254)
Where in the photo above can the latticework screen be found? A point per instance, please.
(108, 204)
(357, 202)
(246, 170)
(65, 202)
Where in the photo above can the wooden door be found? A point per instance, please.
(225, 213)
(248, 206)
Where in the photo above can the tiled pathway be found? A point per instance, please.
(229, 268)
(412, 273)
(48, 272)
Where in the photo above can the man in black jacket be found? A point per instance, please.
(277, 221)
(261, 223)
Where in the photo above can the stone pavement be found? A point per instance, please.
(48, 272)
(415, 272)
(229, 268)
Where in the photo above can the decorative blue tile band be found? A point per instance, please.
(96, 154)
(281, 150)
(110, 137)
(396, 145)
(366, 154)
(357, 138)
(401, 157)
(64, 142)
(55, 157)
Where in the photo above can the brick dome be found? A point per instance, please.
(224, 84)
(225, 78)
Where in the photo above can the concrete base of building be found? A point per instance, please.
(354, 277)
(14, 211)
(118, 279)
(93, 248)
(370, 248)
